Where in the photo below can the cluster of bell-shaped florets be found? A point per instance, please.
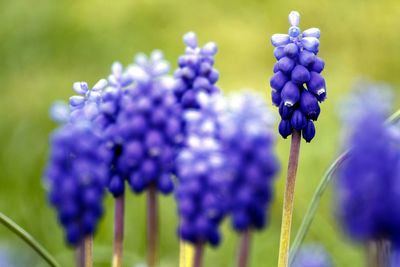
(203, 179)
(312, 255)
(196, 72)
(297, 85)
(247, 137)
(368, 183)
(76, 177)
(226, 167)
(149, 126)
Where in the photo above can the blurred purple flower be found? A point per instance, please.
(227, 166)
(76, 176)
(312, 256)
(368, 187)
(196, 72)
(248, 144)
(297, 85)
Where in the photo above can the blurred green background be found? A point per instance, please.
(46, 45)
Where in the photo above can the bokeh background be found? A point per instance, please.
(46, 45)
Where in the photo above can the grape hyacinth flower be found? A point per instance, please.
(148, 126)
(76, 177)
(368, 183)
(297, 87)
(248, 145)
(312, 256)
(196, 73)
(203, 179)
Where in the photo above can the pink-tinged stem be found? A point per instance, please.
(198, 256)
(118, 231)
(244, 249)
(88, 245)
(152, 225)
(378, 253)
(289, 200)
(80, 255)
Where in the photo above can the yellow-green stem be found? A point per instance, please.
(88, 245)
(289, 199)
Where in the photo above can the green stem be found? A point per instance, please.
(25, 236)
(312, 208)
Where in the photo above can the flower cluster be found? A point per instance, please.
(368, 184)
(148, 126)
(76, 178)
(196, 73)
(226, 167)
(312, 256)
(297, 85)
(203, 177)
(248, 142)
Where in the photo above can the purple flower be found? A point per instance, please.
(196, 72)
(227, 166)
(312, 256)
(147, 129)
(203, 178)
(248, 144)
(297, 85)
(368, 186)
(76, 176)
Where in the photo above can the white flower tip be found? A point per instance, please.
(280, 39)
(80, 87)
(100, 85)
(156, 55)
(59, 112)
(321, 91)
(294, 18)
(116, 68)
(190, 39)
(210, 49)
(288, 103)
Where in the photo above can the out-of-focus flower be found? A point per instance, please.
(196, 72)
(312, 256)
(203, 178)
(368, 187)
(76, 177)
(148, 127)
(297, 85)
(248, 145)
(227, 165)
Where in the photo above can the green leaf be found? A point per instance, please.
(25, 236)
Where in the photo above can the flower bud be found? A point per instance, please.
(316, 85)
(298, 120)
(309, 131)
(306, 58)
(290, 94)
(285, 128)
(286, 64)
(309, 105)
(278, 80)
(280, 39)
(300, 75)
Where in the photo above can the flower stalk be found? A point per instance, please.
(88, 251)
(80, 255)
(244, 249)
(152, 225)
(198, 255)
(378, 254)
(289, 199)
(118, 231)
